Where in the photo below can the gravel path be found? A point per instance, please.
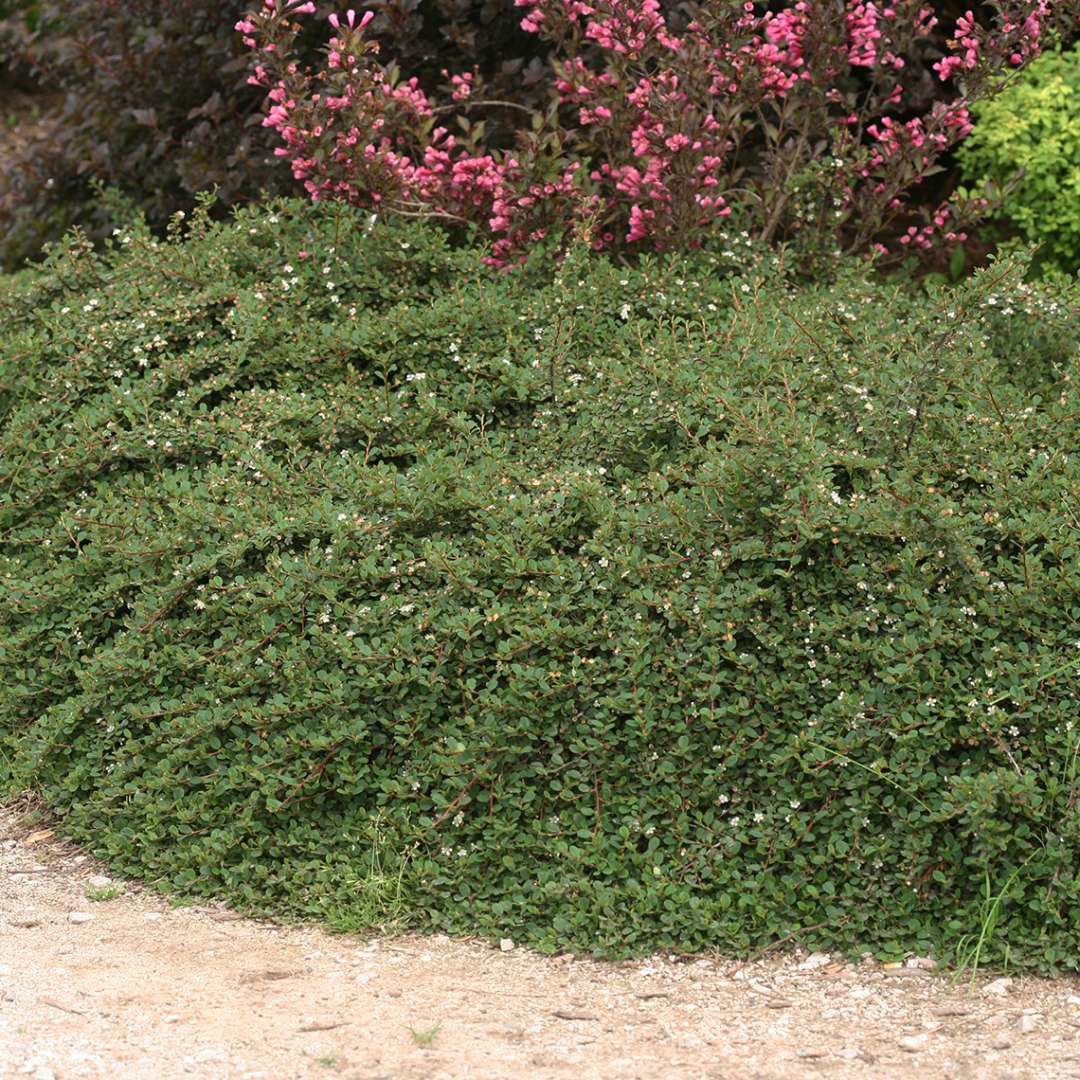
(132, 988)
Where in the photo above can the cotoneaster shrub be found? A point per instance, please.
(600, 607)
(1034, 127)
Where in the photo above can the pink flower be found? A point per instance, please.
(350, 17)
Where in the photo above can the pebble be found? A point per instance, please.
(172, 1018)
(920, 963)
(1001, 1043)
(814, 961)
(98, 881)
(506, 944)
(80, 917)
(1026, 1024)
(913, 1043)
(998, 987)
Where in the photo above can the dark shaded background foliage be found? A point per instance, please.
(155, 100)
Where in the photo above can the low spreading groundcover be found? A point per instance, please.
(603, 607)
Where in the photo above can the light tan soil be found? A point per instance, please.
(145, 990)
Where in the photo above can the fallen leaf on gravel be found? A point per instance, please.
(648, 996)
(324, 1027)
(36, 837)
(778, 1003)
(567, 1014)
(953, 1010)
(225, 916)
(25, 924)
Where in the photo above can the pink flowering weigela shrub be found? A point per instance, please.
(811, 121)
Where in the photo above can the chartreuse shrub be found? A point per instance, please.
(1033, 128)
(600, 607)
